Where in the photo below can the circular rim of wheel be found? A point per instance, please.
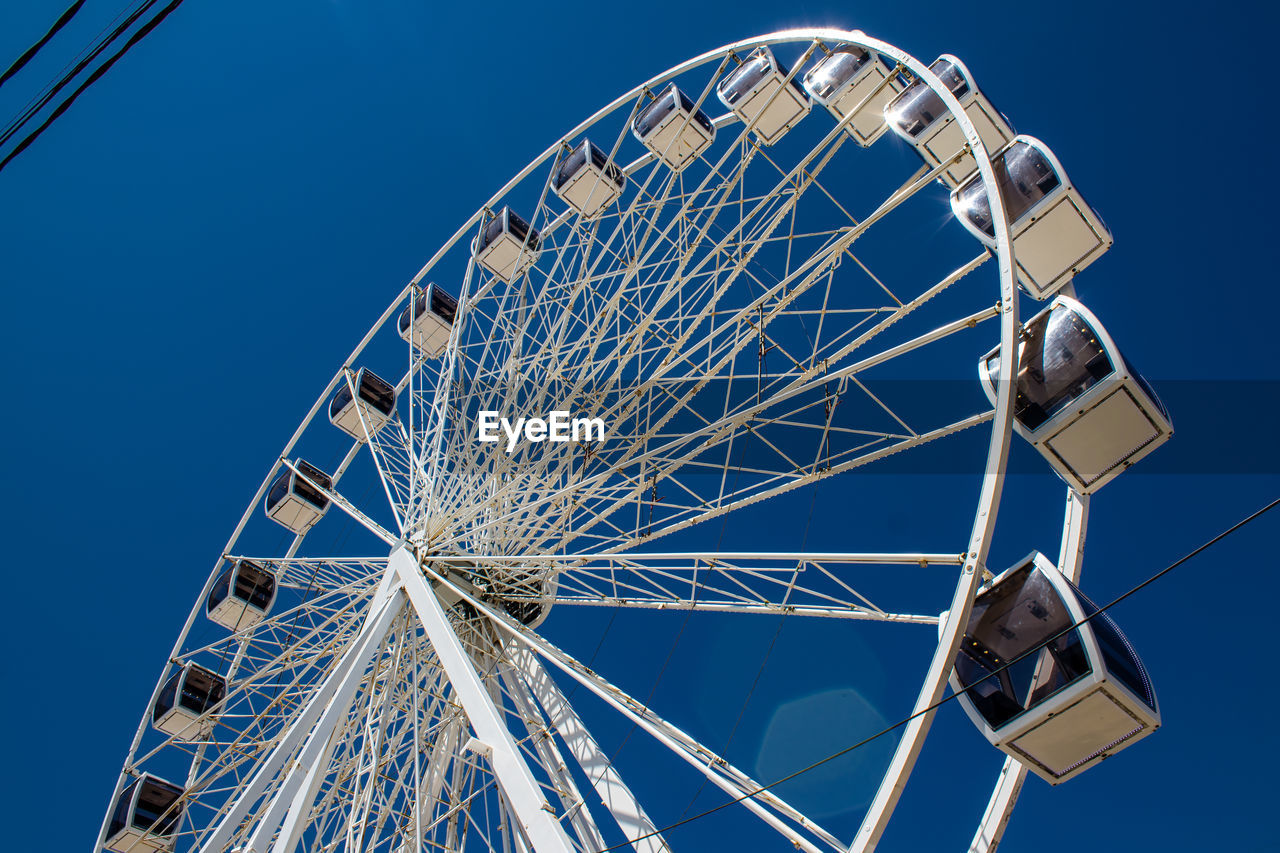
(971, 562)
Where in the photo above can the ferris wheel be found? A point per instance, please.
(700, 302)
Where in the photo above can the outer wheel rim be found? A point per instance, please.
(1001, 419)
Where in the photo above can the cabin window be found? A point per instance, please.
(443, 305)
(919, 106)
(1118, 655)
(1061, 358)
(837, 69)
(1024, 176)
(740, 83)
(1007, 623)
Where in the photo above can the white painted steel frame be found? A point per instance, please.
(551, 836)
(521, 789)
(738, 785)
(614, 793)
(310, 731)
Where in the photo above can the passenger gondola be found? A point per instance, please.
(293, 502)
(1055, 233)
(241, 596)
(919, 116)
(145, 817)
(189, 694)
(588, 180)
(1079, 402)
(432, 314)
(1073, 694)
(851, 80)
(759, 94)
(508, 246)
(673, 129)
(371, 408)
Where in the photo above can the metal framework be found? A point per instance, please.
(719, 319)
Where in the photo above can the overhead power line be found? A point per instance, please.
(30, 52)
(85, 61)
(97, 74)
(995, 672)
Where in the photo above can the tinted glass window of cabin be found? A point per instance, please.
(1061, 358)
(1119, 656)
(919, 106)
(836, 70)
(740, 83)
(1007, 624)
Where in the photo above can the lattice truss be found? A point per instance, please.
(721, 322)
(701, 320)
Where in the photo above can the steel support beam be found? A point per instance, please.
(614, 793)
(935, 680)
(522, 791)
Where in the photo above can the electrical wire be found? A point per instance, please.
(84, 51)
(40, 103)
(30, 52)
(1034, 650)
(102, 69)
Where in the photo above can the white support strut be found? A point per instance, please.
(551, 759)
(529, 805)
(616, 796)
(744, 790)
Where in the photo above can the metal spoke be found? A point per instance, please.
(742, 330)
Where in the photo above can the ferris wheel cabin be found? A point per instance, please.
(187, 696)
(508, 246)
(295, 503)
(1055, 233)
(760, 95)
(432, 314)
(673, 129)
(145, 816)
(588, 181)
(241, 596)
(372, 405)
(1065, 702)
(855, 82)
(1079, 402)
(918, 115)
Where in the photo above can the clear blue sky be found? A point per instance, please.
(193, 248)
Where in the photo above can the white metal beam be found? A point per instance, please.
(346, 506)
(614, 793)
(295, 821)
(551, 758)
(719, 772)
(528, 804)
(296, 793)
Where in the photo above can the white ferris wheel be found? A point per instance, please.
(712, 266)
